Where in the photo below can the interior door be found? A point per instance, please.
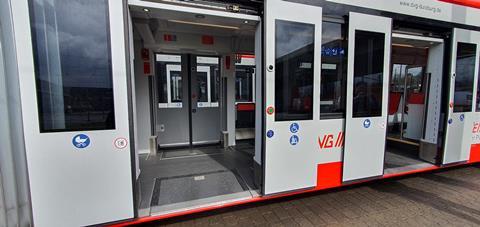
(74, 93)
(173, 128)
(462, 98)
(205, 83)
(367, 96)
(292, 80)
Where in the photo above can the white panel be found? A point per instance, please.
(459, 125)
(361, 159)
(290, 167)
(431, 9)
(68, 186)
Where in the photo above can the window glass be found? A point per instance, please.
(214, 82)
(478, 91)
(334, 70)
(368, 74)
(294, 50)
(464, 73)
(202, 85)
(176, 86)
(212, 65)
(243, 83)
(168, 69)
(71, 48)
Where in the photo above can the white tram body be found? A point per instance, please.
(125, 111)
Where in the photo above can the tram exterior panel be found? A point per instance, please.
(333, 93)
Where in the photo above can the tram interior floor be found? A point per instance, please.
(402, 159)
(182, 179)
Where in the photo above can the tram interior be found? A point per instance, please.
(416, 73)
(195, 110)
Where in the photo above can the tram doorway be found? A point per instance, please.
(185, 68)
(414, 103)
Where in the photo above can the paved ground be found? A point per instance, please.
(444, 198)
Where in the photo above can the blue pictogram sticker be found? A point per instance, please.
(270, 133)
(367, 123)
(294, 140)
(294, 127)
(81, 141)
(462, 116)
(450, 121)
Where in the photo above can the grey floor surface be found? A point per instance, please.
(194, 175)
(397, 161)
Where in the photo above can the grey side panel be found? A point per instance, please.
(15, 208)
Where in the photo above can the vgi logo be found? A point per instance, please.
(330, 141)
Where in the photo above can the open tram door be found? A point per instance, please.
(292, 76)
(367, 95)
(462, 110)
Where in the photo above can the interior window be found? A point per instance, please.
(244, 83)
(294, 56)
(168, 75)
(334, 70)
(71, 49)
(368, 74)
(202, 82)
(464, 73)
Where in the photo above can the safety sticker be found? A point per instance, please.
(81, 141)
(451, 105)
(294, 140)
(270, 133)
(450, 121)
(294, 127)
(270, 110)
(367, 123)
(462, 116)
(120, 143)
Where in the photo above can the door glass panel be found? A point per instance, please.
(334, 71)
(168, 67)
(243, 83)
(214, 82)
(464, 73)
(368, 74)
(72, 64)
(202, 82)
(294, 51)
(176, 86)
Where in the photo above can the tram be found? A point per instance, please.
(119, 112)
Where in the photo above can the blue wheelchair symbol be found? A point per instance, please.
(294, 127)
(367, 123)
(270, 133)
(81, 141)
(450, 121)
(462, 116)
(294, 140)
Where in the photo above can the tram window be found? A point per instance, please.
(202, 81)
(175, 86)
(368, 74)
(244, 83)
(334, 71)
(294, 56)
(464, 73)
(169, 80)
(214, 83)
(71, 49)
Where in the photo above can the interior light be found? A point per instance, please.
(204, 24)
(246, 22)
(146, 10)
(199, 16)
